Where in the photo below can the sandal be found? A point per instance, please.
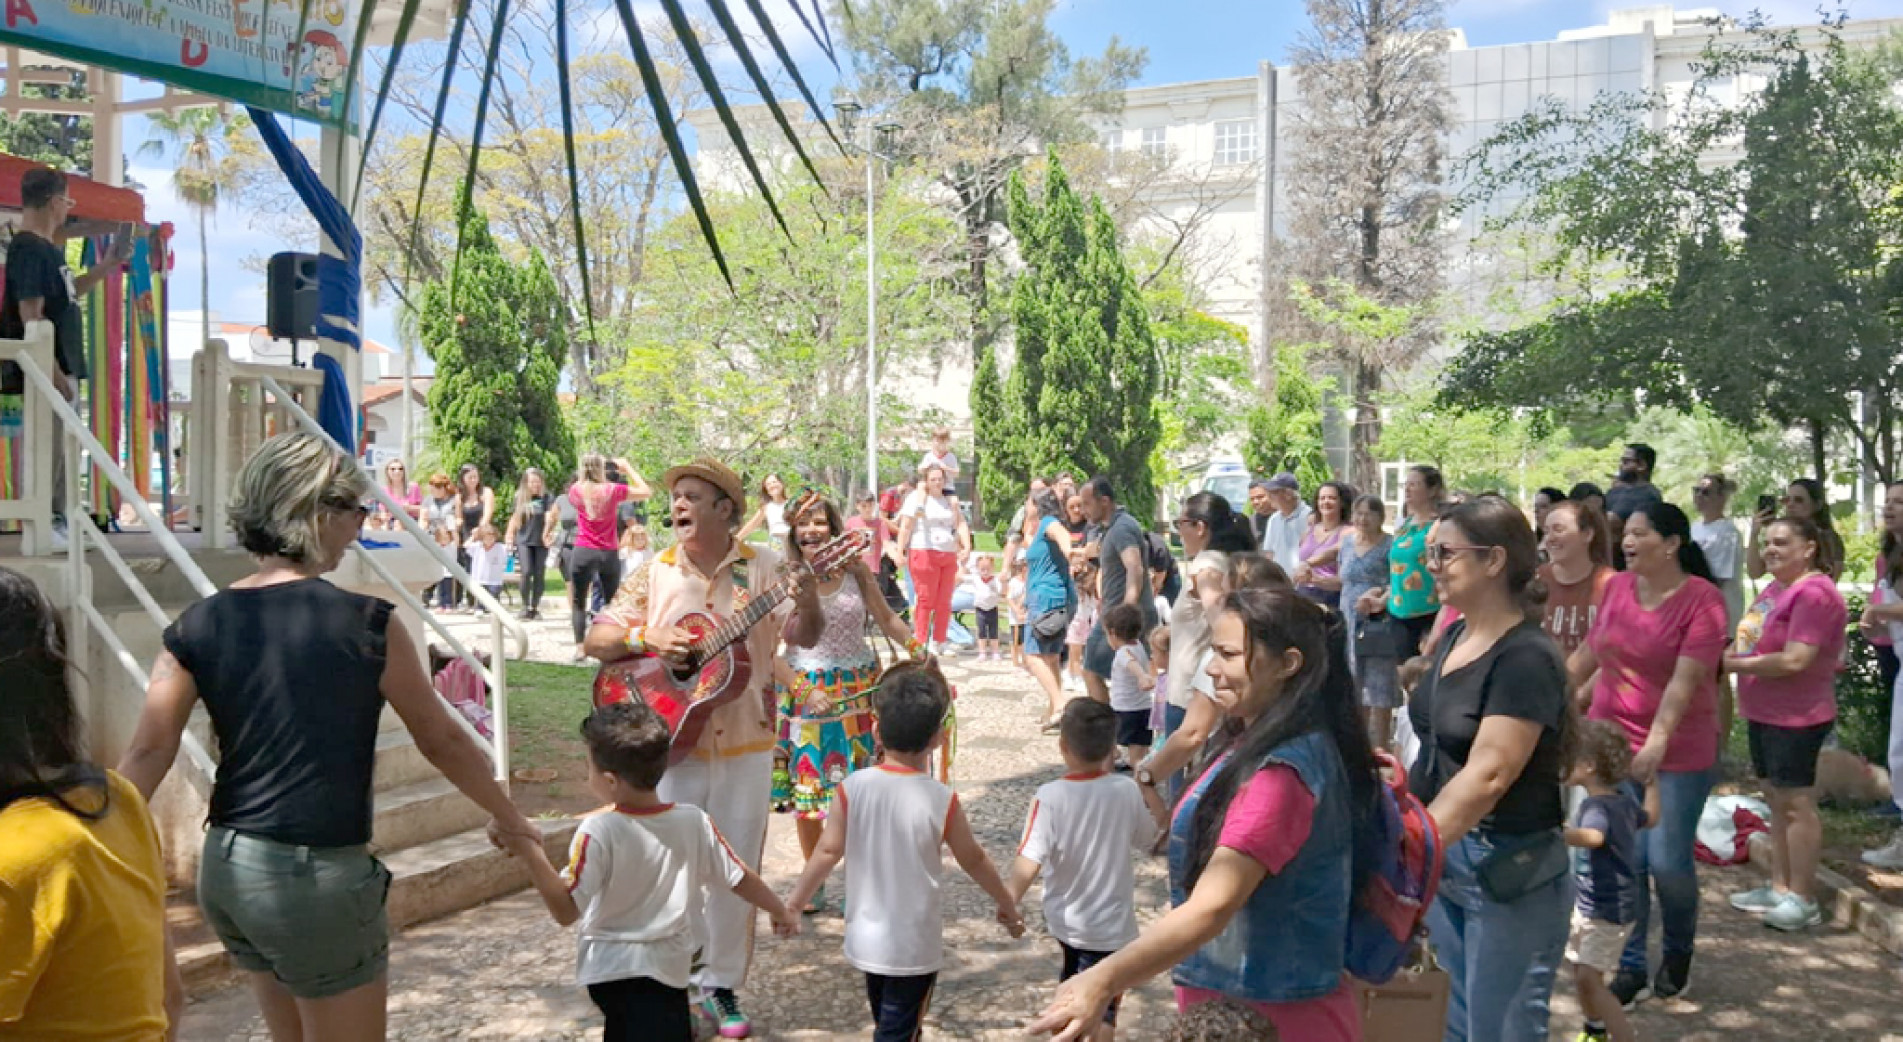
(817, 903)
(1050, 727)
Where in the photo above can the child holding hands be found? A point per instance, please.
(1081, 833)
(1607, 826)
(891, 822)
(634, 878)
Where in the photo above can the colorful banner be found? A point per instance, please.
(289, 56)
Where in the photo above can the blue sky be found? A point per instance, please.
(1186, 40)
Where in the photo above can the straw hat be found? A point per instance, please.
(713, 472)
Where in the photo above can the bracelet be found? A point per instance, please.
(914, 648)
(637, 640)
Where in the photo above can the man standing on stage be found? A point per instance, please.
(729, 773)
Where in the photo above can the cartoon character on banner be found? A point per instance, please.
(319, 67)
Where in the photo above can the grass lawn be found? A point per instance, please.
(546, 707)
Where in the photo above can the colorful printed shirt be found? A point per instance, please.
(1411, 590)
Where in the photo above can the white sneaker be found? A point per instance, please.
(1889, 856)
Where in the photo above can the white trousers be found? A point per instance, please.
(1896, 742)
(734, 791)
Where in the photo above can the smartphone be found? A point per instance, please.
(1767, 504)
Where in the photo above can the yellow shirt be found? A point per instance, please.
(82, 921)
(670, 587)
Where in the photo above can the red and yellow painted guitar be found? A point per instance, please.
(718, 667)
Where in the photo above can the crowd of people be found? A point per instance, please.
(1232, 707)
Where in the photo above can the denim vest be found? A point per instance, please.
(1289, 942)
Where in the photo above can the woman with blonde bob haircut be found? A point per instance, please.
(294, 673)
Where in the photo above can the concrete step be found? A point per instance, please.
(399, 762)
(419, 813)
(429, 881)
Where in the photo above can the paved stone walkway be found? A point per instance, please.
(503, 971)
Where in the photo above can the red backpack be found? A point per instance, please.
(1399, 862)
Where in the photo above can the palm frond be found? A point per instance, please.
(435, 132)
(738, 42)
(574, 171)
(404, 23)
(671, 134)
(690, 45)
(468, 199)
(786, 61)
(823, 35)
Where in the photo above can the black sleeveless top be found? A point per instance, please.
(291, 675)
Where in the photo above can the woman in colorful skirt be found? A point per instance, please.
(825, 718)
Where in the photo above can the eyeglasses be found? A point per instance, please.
(362, 509)
(1181, 521)
(1436, 554)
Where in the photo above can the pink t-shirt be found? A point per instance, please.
(1638, 650)
(1268, 820)
(881, 532)
(1809, 612)
(595, 521)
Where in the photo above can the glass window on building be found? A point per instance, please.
(1235, 142)
(1156, 142)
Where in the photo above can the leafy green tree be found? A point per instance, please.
(1081, 393)
(771, 374)
(60, 140)
(1204, 380)
(1763, 289)
(497, 332)
(1285, 433)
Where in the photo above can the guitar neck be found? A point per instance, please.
(742, 621)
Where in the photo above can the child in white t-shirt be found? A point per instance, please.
(986, 592)
(892, 822)
(635, 878)
(488, 561)
(1080, 833)
(1132, 682)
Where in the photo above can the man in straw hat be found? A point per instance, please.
(729, 773)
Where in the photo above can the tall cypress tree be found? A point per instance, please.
(498, 339)
(1081, 394)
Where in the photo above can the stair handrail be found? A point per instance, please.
(402, 515)
(205, 769)
(499, 619)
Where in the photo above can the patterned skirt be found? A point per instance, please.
(816, 753)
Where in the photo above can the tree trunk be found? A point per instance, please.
(1819, 468)
(204, 284)
(1364, 471)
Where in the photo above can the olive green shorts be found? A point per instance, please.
(313, 917)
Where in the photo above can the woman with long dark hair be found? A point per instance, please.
(772, 513)
(1491, 712)
(475, 507)
(1262, 866)
(1804, 500)
(826, 724)
(1317, 575)
(1655, 648)
(83, 914)
(1050, 595)
(1887, 614)
(1211, 531)
(1578, 566)
(1789, 648)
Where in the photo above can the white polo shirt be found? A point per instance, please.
(1084, 829)
(638, 878)
(895, 835)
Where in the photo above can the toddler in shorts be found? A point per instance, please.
(1607, 828)
(1132, 680)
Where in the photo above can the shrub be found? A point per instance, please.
(1863, 702)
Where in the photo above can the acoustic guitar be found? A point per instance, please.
(718, 668)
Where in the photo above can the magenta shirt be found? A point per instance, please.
(1638, 650)
(595, 524)
(1808, 612)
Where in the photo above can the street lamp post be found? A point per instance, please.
(849, 111)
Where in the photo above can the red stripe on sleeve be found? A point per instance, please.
(1029, 822)
(579, 862)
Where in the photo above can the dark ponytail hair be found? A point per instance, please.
(42, 753)
(1671, 523)
(1229, 532)
(1319, 697)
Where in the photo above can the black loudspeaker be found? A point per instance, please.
(291, 296)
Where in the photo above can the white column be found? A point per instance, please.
(108, 133)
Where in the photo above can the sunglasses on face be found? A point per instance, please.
(1437, 554)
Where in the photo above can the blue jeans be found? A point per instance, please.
(1501, 958)
(1665, 856)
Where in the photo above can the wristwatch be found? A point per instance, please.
(1144, 777)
